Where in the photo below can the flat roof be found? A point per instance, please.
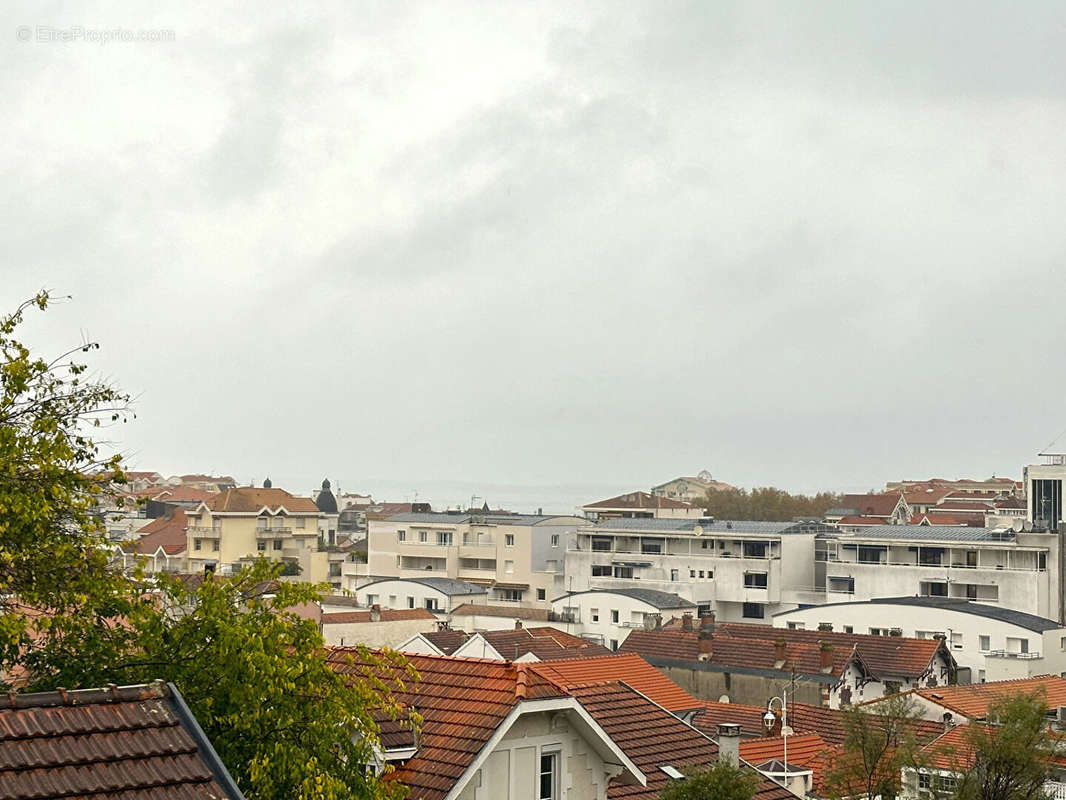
(705, 525)
(652, 597)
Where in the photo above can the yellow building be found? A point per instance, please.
(240, 524)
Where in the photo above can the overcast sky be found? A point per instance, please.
(533, 250)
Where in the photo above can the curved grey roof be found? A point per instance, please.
(448, 586)
(925, 533)
(1021, 619)
(717, 526)
(490, 519)
(661, 600)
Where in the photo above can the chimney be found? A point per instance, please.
(825, 656)
(442, 625)
(825, 626)
(707, 622)
(729, 743)
(375, 613)
(706, 642)
(779, 652)
(686, 622)
(518, 624)
(652, 622)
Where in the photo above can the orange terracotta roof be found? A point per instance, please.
(167, 532)
(954, 750)
(639, 500)
(735, 644)
(972, 701)
(872, 505)
(545, 643)
(808, 751)
(634, 670)
(246, 500)
(928, 494)
(652, 737)
(861, 521)
(387, 615)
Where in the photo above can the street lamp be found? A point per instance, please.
(769, 718)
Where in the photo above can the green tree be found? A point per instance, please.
(1011, 757)
(719, 781)
(284, 723)
(879, 741)
(55, 581)
(767, 504)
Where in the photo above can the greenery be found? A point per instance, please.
(768, 504)
(719, 781)
(252, 671)
(879, 742)
(1012, 758)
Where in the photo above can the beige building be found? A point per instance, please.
(641, 505)
(690, 489)
(238, 525)
(518, 558)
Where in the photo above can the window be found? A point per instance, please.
(1041, 562)
(971, 591)
(508, 566)
(701, 573)
(924, 781)
(623, 572)
(595, 612)
(893, 687)
(197, 544)
(601, 544)
(601, 571)
(754, 549)
(614, 644)
(840, 584)
(930, 556)
(849, 629)
(548, 777)
(431, 604)
(371, 599)
(651, 546)
(710, 574)
(870, 555)
(795, 626)
(981, 676)
(261, 546)
(754, 611)
(947, 784)
(410, 601)
(614, 616)
(1062, 644)
(541, 594)
(444, 538)
(334, 569)
(401, 536)
(508, 539)
(214, 545)
(277, 544)
(692, 573)
(555, 540)
(673, 577)
(511, 595)
(706, 544)
(422, 536)
(754, 580)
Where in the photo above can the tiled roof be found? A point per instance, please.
(447, 641)
(131, 742)
(861, 521)
(954, 750)
(642, 500)
(755, 646)
(387, 615)
(461, 701)
(926, 495)
(547, 644)
(972, 701)
(166, 532)
(652, 738)
(175, 494)
(808, 751)
(632, 669)
(246, 499)
(872, 505)
(476, 609)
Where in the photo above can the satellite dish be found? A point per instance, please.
(1027, 526)
(697, 530)
(724, 699)
(1018, 525)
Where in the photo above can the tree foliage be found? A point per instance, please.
(719, 781)
(879, 741)
(1012, 757)
(768, 504)
(53, 563)
(252, 671)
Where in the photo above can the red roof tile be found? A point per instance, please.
(872, 505)
(167, 532)
(131, 742)
(632, 669)
(248, 500)
(639, 500)
(546, 643)
(972, 701)
(447, 641)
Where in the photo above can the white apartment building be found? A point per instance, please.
(1043, 485)
(518, 558)
(1016, 570)
(739, 570)
(437, 594)
(608, 615)
(992, 642)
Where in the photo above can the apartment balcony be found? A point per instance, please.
(204, 533)
(273, 533)
(969, 570)
(1012, 654)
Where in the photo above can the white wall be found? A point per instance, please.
(376, 634)
(395, 594)
(594, 614)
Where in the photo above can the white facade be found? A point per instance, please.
(437, 596)
(993, 649)
(740, 570)
(607, 616)
(518, 557)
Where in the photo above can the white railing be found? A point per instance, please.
(1055, 790)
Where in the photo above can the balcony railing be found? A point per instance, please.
(1012, 654)
(911, 564)
(272, 532)
(205, 533)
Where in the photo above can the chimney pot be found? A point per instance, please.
(825, 656)
(729, 743)
(686, 622)
(375, 613)
(518, 624)
(780, 646)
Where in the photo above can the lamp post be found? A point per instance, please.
(769, 718)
